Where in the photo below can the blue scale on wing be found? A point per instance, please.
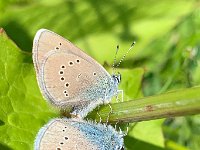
(104, 88)
(105, 137)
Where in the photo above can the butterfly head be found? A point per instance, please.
(112, 87)
(116, 78)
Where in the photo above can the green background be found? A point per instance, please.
(165, 58)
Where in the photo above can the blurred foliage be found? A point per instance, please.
(185, 131)
(167, 34)
(23, 111)
(22, 108)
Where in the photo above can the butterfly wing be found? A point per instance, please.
(75, 134)
(66, 75)
(46, 41)
(60, 135)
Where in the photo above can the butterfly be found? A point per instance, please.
(77, 134)
(69, 78)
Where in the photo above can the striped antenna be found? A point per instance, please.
(132, 45)
(113, 66)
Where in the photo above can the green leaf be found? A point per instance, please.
(132, 144)
(22, 109)
(148, 131)
(131, 83)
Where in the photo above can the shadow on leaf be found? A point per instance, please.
(132, 143)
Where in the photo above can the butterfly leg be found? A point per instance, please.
(122, 93)
(116, 124)
(127, 128)
(120, 130)
(109, 113)
(100, 119)
(108, 103)
(117, 98)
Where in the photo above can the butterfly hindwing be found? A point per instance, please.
(74, 134)
(64, 81)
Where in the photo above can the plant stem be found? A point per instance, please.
(178, 103)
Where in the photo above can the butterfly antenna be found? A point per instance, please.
(132, 45)
(114, 62)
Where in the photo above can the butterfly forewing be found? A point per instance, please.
(65, 81)
(46, 41)
(66, 75)
(61, 135)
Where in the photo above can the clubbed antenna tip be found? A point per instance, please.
(133, 44)
(117, 49)
(114, 62)
(126, 54)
